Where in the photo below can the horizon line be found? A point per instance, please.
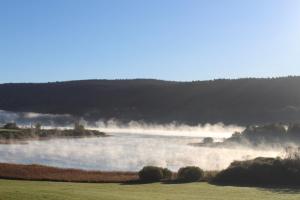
(152, 79)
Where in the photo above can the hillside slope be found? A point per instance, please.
(241, 101)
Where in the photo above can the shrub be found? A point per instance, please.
(190, 174)
(261, 171)
(167, 174)
(10, 126)
(208, 140)
(78, 127)
(38, 126)
(151, 174)
(294, 132)
(270, 133)
(209, 175)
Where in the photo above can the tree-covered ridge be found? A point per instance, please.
(241, 101)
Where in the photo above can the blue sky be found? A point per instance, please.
(57, 40)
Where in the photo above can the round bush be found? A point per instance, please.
(190, 174)
(167, 174)
(10, 126)
(208, 140)
(151, 174)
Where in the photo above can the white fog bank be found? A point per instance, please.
(218, 130)
(127, 152)
(130, 146)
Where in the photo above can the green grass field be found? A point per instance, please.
(35, 190)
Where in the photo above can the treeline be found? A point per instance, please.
(11, 133)
(276, 133)
(261, 171)
(242, 101)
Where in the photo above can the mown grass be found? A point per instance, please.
(35, 190)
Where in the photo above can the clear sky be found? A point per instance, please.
(55, 40)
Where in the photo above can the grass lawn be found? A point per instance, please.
(35, 190)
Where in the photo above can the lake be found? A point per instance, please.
(127, 152)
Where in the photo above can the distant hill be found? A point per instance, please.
(241, 101)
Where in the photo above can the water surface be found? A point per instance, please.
(126, 152)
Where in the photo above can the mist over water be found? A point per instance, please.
(217, 131)
(126, 152)
(130, 146)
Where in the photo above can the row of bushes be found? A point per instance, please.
(258, 171)
(185, 174)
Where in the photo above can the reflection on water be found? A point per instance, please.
(125, 152)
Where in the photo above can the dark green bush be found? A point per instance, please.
(190, 174)
(208, 140)
(153, 174)
(261, 171)
(167, 174)
(10, 126)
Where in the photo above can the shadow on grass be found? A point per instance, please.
(282, 189)
(179, 182)
(138, 182)
(279, 189)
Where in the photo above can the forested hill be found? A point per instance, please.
(242, 101)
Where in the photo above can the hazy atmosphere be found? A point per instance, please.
(131, 146)
(149, 99)
(128, 152)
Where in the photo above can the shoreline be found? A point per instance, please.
(18, 135)
(34, 172)
(26, 141)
